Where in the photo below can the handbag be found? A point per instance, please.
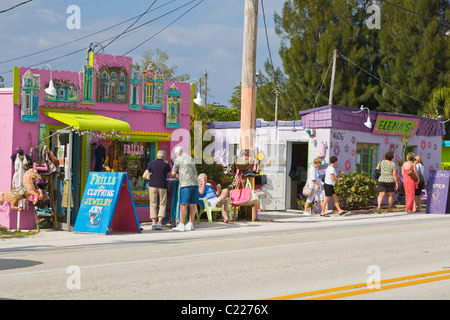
(307, 190)
(377, 174)
(240, 196)
(49, 161)
(413, 175)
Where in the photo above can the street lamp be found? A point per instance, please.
(198, 100)
(51, 91)
(368, 123)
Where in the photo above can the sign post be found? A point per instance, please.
(438, 191)
(107, 205)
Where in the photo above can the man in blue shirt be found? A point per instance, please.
(217, 199)
(158, 187)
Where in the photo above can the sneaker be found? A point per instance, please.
(153, 226)
(179, 227)
(306, 213)
(158, 226)
(189, 227)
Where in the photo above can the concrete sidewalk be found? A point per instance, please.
(266, 220)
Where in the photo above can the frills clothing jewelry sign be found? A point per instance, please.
(107, 205)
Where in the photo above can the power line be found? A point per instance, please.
(416, 13)
(87, 36)
(129, 31)
(385, 83)
(144, 13)
(142, 43)
(17, 5)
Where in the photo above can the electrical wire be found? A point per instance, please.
(129, 31)
(144, 13)
(87, 36)
(17, 5)
(385, 83)
(142, 43)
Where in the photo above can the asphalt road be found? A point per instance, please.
(286, 256)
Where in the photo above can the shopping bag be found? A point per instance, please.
(240, 196)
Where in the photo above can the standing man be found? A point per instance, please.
(184, 167)
(158, 187)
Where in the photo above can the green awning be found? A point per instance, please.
(86, 120)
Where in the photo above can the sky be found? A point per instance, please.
(207, 37)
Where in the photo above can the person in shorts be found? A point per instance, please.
(215, 198)
(388, 180)
(184, 169)
(331, 178)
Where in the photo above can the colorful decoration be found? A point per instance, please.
(30, 97)
(88, 85)
(153, 89)
(14, 195)
(112, 85)
(135, 82)
(173, 108)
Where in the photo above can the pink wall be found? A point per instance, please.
(15, 132)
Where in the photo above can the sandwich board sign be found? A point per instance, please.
(107, 205)
(438, 192)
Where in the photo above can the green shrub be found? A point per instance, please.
(356, 191)
(217, 174)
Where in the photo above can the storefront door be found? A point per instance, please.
(66, 146)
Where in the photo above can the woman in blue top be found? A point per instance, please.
(215, 199)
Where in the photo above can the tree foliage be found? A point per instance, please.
(393, 69)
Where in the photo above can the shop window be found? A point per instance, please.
(173, 110)
(112, 85)
(132, 157)
(366, 157)
(153, 89)
(30, 97)
(408, 149)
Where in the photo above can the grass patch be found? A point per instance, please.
(5, 234)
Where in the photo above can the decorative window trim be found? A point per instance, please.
(112, 85)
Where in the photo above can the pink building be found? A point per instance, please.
(112, 115)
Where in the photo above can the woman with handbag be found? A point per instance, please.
(410, 178)
(313, 181)
(420, 184)
(388, 180)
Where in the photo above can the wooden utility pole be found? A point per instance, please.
(206, 86)
(333, 73)
(248, 86)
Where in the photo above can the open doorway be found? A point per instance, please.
(297, 172)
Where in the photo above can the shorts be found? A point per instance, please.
(329, 190)
(189, 195)
(386, 186)
(212, 202)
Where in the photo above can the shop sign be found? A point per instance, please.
(398, 126)
(133, 149)
(437, 192)
(107, 205)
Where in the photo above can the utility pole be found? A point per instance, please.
(248, 89)
(333, 73)
(206, 85)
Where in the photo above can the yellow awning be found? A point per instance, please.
(86, 120)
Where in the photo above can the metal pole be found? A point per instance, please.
(330, 100)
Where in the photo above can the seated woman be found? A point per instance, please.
(217, 199)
